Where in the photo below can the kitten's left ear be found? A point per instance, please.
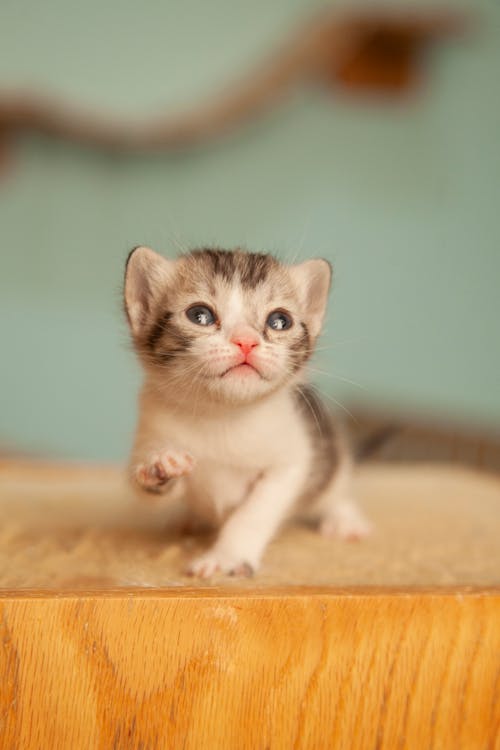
(313, 279)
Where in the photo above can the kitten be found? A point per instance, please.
(226, 417)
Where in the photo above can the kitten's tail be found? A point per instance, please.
(371, 444)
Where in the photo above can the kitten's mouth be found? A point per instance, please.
(244, 369)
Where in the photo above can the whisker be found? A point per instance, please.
(334, 400)
(310, 407)
(336, 377)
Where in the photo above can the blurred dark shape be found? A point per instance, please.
(384, 51)
(374, 51)
(384, 437)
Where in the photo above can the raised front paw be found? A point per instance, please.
(154, 474)
(215, 561)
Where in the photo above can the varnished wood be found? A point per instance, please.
(90, 660)
(263, 668)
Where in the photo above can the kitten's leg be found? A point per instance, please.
(339, 513)
(154, 470)
(246, 533)
(154, 460)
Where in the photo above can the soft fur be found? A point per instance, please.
(226, 417)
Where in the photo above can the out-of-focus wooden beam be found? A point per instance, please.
(376, 51)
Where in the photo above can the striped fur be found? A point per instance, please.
(208, 275)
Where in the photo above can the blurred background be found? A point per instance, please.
(399, 188)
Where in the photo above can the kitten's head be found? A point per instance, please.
(229, 326)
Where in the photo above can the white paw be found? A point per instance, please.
(153, 474)
(347, 522)
(215, 561)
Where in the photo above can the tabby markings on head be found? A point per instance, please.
(251, 268)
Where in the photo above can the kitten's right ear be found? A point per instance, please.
(146, 275)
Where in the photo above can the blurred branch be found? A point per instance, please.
(369, 50)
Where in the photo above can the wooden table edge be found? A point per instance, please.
(256, 592)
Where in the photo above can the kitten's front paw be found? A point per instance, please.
(152, 475)
(214, 561)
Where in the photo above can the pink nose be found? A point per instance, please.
(246, 343)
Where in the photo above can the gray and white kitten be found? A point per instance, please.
(226, 418)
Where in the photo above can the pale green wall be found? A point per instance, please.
(404, 200)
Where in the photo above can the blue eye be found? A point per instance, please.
(201, 315)
(279, 321)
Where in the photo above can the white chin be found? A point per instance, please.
(240, 384)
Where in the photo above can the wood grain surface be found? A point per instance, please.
(262, 669)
